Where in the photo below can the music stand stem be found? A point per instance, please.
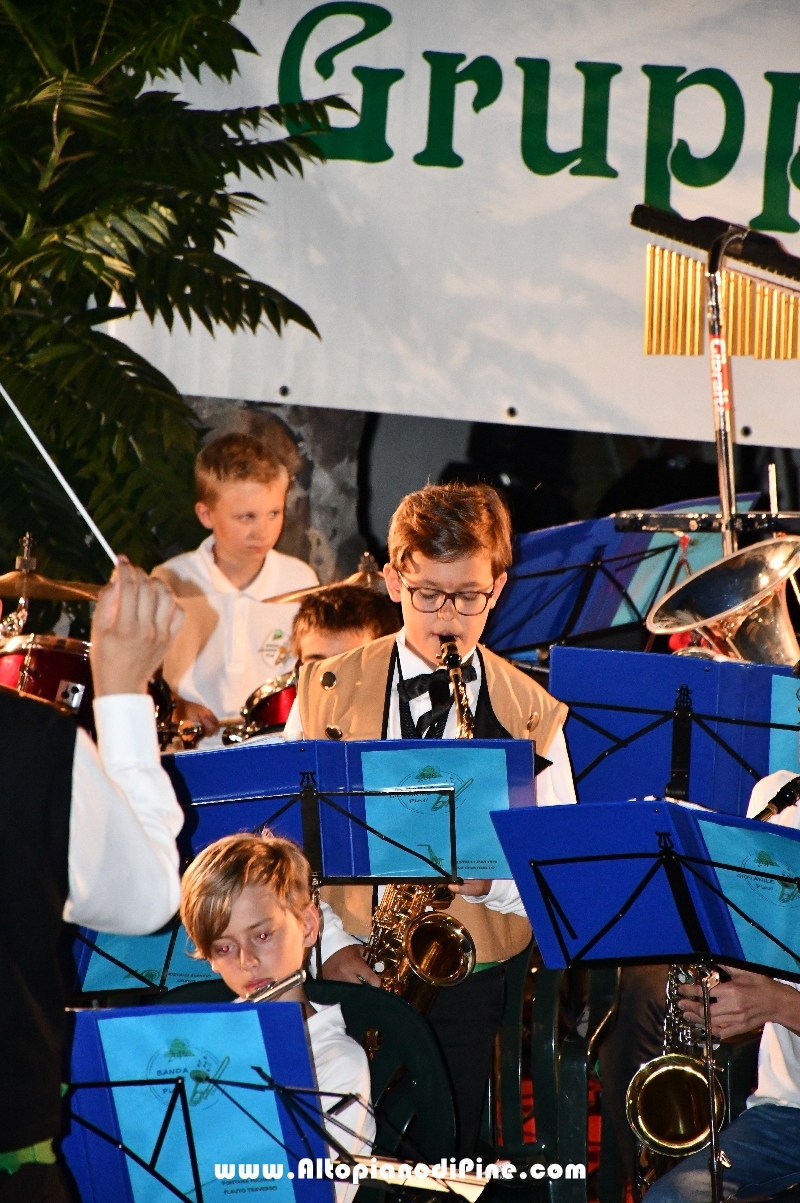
(710, 979)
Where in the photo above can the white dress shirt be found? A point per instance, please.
(554, 785)
(124, 817)
(779, 1051)
(342, 1068)
(230, 642)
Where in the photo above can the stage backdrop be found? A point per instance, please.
(466, 252)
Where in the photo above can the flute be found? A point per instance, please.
(275, 989)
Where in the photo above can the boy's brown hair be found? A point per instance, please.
(346, 608)
(217, 876)
(234, 457)
(451, 522)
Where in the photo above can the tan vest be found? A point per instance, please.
(352, 707)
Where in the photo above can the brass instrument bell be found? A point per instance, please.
(738, 604)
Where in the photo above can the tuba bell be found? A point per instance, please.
(738, 604)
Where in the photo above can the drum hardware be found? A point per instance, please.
(675, 1103)
(414, 947)
(369, 576)
(165, 702)
(25, 583)
(738, 604)
(266, 710)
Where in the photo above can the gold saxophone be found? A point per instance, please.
(450, 659)
(668, 1099)
(414, 947)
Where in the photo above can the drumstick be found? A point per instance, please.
(48, 459)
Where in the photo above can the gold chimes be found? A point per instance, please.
(760, 319)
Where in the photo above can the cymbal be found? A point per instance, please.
(369, 576)
(31, 584)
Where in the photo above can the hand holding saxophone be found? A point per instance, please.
(743, 1004)
(473, 887)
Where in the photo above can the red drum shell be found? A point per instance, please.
(52, 668)
(273, 710)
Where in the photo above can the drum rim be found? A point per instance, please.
(59, 643)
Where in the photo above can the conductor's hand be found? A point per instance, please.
(135, 621)
(475, 887)
(744, 1004)
(348, 965)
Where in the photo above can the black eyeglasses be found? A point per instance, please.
(430, 601)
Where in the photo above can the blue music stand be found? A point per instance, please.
(164, 1100)
(642, 725)
(587, 580)
(376, 810)
(105, 962)
(621, 882)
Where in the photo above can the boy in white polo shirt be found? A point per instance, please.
(231, 642)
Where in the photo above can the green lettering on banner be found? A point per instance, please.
(366, 141)
(590, 157)
(484, 71)
(781, 163)
(662, 161)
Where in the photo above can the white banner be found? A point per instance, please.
(466, 252)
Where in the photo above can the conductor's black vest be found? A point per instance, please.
(37, 746)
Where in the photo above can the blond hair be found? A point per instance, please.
(235, 457)
(218, 875)
(451, 522)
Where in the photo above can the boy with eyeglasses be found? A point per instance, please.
(449, 551)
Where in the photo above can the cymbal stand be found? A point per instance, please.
(14, 623)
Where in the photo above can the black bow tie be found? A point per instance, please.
(432, 683)
(432, 723)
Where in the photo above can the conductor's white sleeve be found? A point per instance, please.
(123, 861)
(333, 937)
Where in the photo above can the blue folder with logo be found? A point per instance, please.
(741, 719)
(162, 961)
(381, 810)
(193, 1102)
(656, 881)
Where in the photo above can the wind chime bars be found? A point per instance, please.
(760, 319)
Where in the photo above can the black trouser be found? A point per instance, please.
(638, 1036)
(466, 1019)
(33, 1184)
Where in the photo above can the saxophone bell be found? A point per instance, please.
(667, 1102)
(414, 947)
